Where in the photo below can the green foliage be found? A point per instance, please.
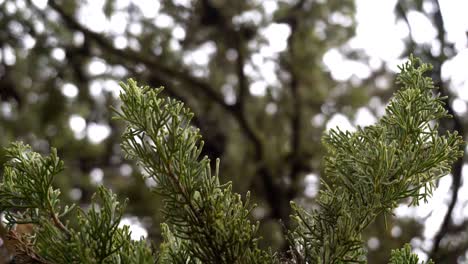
(246, 130)
(404, 256)
(368, 173)
(27, 184)
(27, 196)
(208, 221)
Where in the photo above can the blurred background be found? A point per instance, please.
(265, 79)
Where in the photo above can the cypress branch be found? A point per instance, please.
(211, 222)
(367, 173)
(404, 256)
(28, 197)
(370, 171)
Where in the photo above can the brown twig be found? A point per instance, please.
(24, 252)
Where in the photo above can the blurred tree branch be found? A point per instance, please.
(136, 57)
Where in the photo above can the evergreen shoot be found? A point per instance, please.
(367, 173)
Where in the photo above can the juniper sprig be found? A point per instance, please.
(370, 171)
(367, 173)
